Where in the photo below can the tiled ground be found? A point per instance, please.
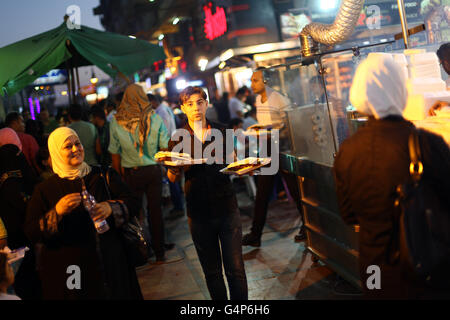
(280, 269)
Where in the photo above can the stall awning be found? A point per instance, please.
(24, 61)
(260, 48)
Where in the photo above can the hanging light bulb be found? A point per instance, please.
(94, 79)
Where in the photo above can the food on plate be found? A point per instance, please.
(246, 165)
(172, 156)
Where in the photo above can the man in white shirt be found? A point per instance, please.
(236, 105)
(270, 105)
(270, 110)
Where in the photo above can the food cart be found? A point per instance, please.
(319, 119)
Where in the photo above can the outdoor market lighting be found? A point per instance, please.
(222, 65)
(326, 5)
(132, 37)
(161, 36)
(94, 79)
(227, 55)
(202, 63)
(64, 93)
(175, 21)
(30, 102)
(38, 106)
(181, 84)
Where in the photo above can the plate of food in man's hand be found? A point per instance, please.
(258, 130)
(246, 165)
(176, 159)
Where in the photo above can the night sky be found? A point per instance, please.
(21, 19)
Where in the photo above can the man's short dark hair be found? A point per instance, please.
(189, 91)
(110, 103)
(75, 112)
(98, 112)
(11, 117)
(242, 91)
(151, 97)
(444, 52)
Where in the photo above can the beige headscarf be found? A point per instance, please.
(379, 87)
(134, 110)
(62, 169)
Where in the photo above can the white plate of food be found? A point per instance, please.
(176, 159)
(246, 165)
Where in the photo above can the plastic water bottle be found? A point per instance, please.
(89, 204)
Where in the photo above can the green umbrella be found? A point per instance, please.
(24, 61)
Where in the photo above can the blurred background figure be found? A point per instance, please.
(110, 108)
(87, 133)
(102, 126)
(236, 104)
(49, 122)
(16, 186)
(221, 106)
(30, 146)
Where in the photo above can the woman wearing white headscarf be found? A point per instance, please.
(57, 219)
(374, 161)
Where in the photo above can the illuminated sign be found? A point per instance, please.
(215, 24)
(52, 77)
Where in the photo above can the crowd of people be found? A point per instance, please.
(48, 165)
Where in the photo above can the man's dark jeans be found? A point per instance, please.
(265, 185)
(148, 180)
(206, 234)
(176, 195)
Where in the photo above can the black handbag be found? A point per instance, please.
(132, 233)
(423, 225)
(135, 244)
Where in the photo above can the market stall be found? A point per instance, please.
(320, 118)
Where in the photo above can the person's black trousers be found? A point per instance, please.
(148, 180)
(264, 189)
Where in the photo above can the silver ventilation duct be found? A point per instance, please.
(340, 30)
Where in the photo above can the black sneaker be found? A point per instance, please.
(301, 235)
(169, 246)
(251, 240)
(160, 259)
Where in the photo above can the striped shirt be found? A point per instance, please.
(273, 110)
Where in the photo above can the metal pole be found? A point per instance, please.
(74, 100)
(78, 79)
(402, 12)
(69, 85)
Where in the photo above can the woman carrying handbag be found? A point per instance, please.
(76, 260)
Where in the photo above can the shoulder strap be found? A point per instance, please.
(104, 172)
(416, 166)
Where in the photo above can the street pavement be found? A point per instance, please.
(281, 269)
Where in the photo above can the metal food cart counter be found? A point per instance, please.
(318, 120)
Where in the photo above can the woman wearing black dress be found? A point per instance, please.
(75, 261)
